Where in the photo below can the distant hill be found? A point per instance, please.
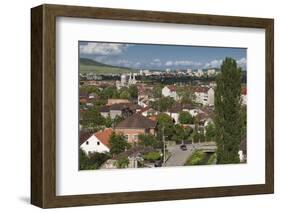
(88, 65)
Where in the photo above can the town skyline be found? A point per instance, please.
(173, 57)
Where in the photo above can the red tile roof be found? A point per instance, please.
(104, 136)
(200, 89)
(173, 88)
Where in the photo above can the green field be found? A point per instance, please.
(88, 66)
(84, 69)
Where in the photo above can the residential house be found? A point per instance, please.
(122, 110)
(204, 119)
(83, 97)
(194, 111)
(176, 109)
(199, 73)
(211, 72)
(93, 95)
(204, 95)
(170, 91)
(117, 101)
(148, 111)
(97, 142)
(244, 95)
(243, 150)
(135, 125)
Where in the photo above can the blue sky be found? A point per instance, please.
(153, 56)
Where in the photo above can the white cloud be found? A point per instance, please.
(242, 63)
(182, 63)
(156, 62)
(169, 63)
(186, 63)
(218, 62)
(213, 64)
(103, 48)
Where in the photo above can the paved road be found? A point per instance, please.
(179, 157)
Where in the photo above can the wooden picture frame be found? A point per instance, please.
(43, 105)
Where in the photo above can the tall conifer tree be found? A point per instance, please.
(228, 112)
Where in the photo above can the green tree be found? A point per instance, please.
(122, 162)
(179, 134)
(163, 104)
(157, 91)
(133, 90)
(186, 95)
(148, 140)
(164, 122)
(89, 89)
(125, 94)
(152, 156)
(244, 120)
(84, 161)
(210, 132)
(108, 122)
(185, 118)
(109, 92)
(92, 118)
(116, 120)
(228, 112)
(118, 143)
(201, 135)
(92, 160)
(195, 136)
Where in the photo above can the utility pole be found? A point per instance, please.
(164, 148)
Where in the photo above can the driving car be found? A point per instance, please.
(183, 147)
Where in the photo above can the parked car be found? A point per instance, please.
(158, 163)
(183, 147)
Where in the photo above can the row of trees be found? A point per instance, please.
(92, 119)
(130, 92)
(162, 103)
(178, 133)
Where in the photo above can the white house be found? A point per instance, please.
(243, 150)
(194, 112)
(211, 72)
(148, 111)
(199, 73)
(244, 95)
(98, 142)
(211, 97)
(204, 95)
(170, 91)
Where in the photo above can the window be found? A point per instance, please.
(98, 143)
(87, 142)
(127, 137)
(135, 137)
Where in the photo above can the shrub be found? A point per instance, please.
(197, 158)
(122, 162)
(152, 156)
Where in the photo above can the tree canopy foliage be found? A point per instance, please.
(185, 118)
(118, 143)
(163, 104)
(228, 112)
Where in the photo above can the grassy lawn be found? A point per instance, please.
(201, 158)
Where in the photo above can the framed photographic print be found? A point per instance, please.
(137, 106)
